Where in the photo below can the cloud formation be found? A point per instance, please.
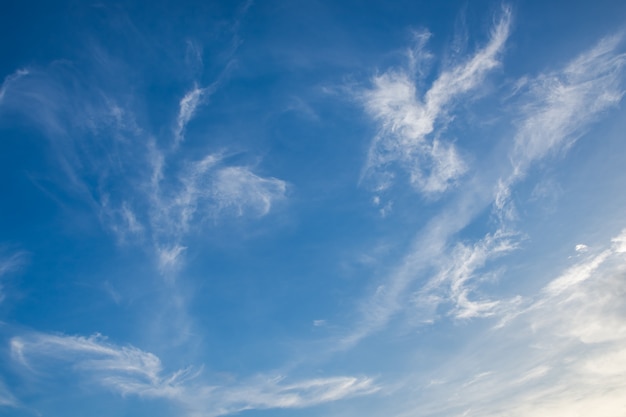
(131, 371)
(188, 105)
(411, 122)
(8, 264)
(562, 353)
(560, 106)
(145, 193)
(557, 107)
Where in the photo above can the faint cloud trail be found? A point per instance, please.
(131, 371)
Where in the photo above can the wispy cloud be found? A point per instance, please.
(557, 108)
(187, 108)
(7, 399)
(240, 189)
(207, 189)
(9, 264)
(568, 345)
(144, 193)
(10, 79)
(394, 293)
(560, 106)
(131, 371)
(411, 122)
(460, 273)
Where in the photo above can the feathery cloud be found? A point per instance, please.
(7, 399)
(560, 106)
(9, 264)
(119, 169)
(568, 344)
(131, 371)
(552, 118)
(9, 79)
(188, 105)
(411, 122)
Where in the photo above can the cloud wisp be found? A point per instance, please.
(8, 264)
(144, 193)
(131, 371)
(206, 190)
(559, 107)
(188, 105)
(7, 399)
(459, 274)
(411, 122)
(562, 354)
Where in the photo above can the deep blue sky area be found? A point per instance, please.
(313, 208)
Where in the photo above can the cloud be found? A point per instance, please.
(207, 189)
(9, 264)
(581, 247)
(559, 107)
(563, 354)
(187, 108)
(210, 187)
(9, 79)
(131, 371)
(459, 273)
(7, 399)
(169, 258)
(563, 103)
(408, 118)
(241, 190)
(394, 293)
(144, 192)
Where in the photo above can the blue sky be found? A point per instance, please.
(402, 208)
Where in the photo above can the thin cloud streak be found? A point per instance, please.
(460, 273)
(560, 106)
(188, 105)
(141, 200)
(9, 264)
(9, 79)
(131, 371)
(7, 399)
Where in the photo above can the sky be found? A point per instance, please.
(313, 208)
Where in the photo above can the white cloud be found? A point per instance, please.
(205, 189)
(460, 272)
(9, 79)
(577, 274)
(581, 247)
(408, 118)
(187, 108)
(131, 371)
(563, 103)
(143, 193)
(393, 293)
(619, 242)
(563, 354)
(7, 399)
(551, 120)
(238, 188)
(9, 264)
(560, 107)
(169, 258)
